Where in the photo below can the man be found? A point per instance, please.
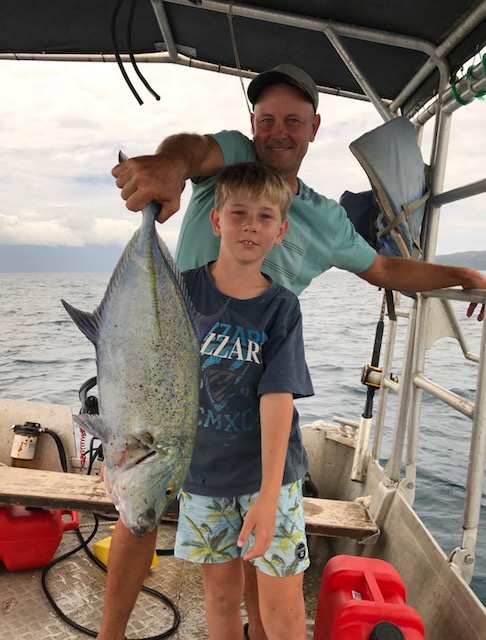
(284, 123)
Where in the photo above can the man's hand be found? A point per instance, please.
(476, 280)
(472, 307)
(158, 178)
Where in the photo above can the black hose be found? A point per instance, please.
(90, 632)
(116, 51)
(84, 545)
(60, 448)
(130, 51)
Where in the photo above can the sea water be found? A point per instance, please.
(44, 357)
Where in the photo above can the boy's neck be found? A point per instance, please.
(242, 282)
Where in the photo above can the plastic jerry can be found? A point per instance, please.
(29, 538)
(363, 598)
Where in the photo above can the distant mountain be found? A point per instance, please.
(102, 259)
(473, 259)
(40, 259)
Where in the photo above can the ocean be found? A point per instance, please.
(44, 357)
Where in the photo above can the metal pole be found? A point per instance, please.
(477, 452)
(392, 468)
(165, 28)
(467, 191)
(358, 75)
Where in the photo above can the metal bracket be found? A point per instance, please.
(407, 489)
(370, 540)
(463, 561)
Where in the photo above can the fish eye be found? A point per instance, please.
(168, 492)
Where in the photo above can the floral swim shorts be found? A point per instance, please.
(208, 531)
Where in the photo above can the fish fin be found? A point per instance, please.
(117, 273)
(200, 323)
(88, 323)
(93, 423)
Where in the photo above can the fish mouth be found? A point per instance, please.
(146, 458)
(146, 522)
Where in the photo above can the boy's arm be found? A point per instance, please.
(276, 410)
(161, 177)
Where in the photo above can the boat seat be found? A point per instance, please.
(338, 519)
(71, 491)
(390, 216)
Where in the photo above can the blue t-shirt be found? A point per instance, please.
(256, 347)
(320, 234)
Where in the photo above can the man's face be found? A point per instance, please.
(283, 124)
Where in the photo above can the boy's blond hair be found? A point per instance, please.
(257, 180)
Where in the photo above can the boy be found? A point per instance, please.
(242, 498)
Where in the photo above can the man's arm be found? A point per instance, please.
(276, 410)
(161, 177)
(401, 274)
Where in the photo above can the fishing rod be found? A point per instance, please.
(372, 375)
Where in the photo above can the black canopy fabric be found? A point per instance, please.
(265, 34)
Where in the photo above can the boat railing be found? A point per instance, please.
(430, 318)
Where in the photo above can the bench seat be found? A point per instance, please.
(57, 490)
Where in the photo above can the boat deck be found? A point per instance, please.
(77, 586)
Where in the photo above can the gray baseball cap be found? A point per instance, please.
(285, 74)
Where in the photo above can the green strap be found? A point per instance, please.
(469, 79)
(456, 95)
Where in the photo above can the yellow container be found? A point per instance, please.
(102, 550)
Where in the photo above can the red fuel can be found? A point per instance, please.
(29, 538)
(357, 596)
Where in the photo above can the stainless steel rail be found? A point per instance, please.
(407, 424)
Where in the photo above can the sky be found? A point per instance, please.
(62, 125)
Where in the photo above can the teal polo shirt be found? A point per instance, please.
(320, 234)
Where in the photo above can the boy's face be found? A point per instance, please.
(248, 228)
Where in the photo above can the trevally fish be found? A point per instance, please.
(147, 337)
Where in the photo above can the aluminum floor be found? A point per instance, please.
(77, 587)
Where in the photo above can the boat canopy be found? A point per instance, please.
(386, 51)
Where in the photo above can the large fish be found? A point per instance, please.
(147, 338)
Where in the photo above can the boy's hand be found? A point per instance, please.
(260, 519)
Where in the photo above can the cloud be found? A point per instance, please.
(63, 124)
(63, 127)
